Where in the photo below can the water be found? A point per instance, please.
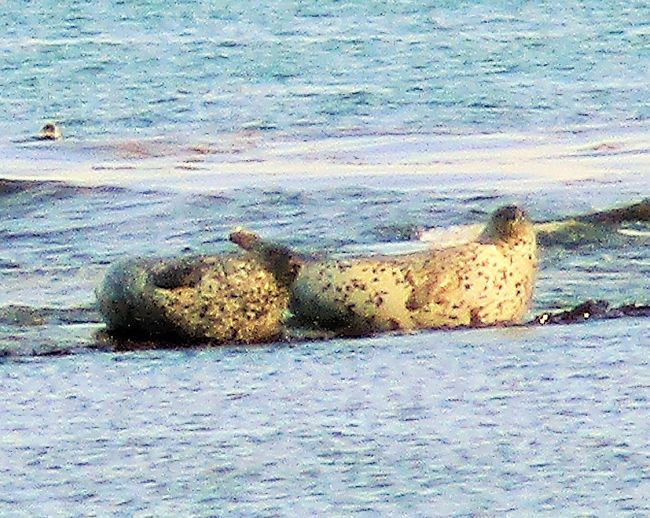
(327, 126)
(542, 421)
(124, 69)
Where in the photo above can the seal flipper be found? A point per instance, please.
(245, 239)
(283, 262)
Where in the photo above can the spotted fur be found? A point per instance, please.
(245, 298)
(482, 283)
(217, 299)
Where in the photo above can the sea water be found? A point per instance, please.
(117, 69)
(329, 126)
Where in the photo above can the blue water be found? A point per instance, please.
(188, 69)
(522, 421)
(530, 422)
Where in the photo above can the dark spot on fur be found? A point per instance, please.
(408, 277)
(475, 319)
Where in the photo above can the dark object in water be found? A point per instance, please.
(50, 132)
(591, 310)
(598, 228)
(637, 212)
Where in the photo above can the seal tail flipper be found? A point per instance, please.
(283, 262)
(245, 239)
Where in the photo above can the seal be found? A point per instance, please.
(249, 298)
(50, 132)
(485, 282)
(219, 299)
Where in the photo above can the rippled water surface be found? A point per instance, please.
(149, 68)
(521, 421)
(548, 421)
(337, 126)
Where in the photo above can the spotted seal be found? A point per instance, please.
(229, 298)
(246, 298)
(485, 282)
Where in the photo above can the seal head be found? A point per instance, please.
(507, 224)
(50, 132)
